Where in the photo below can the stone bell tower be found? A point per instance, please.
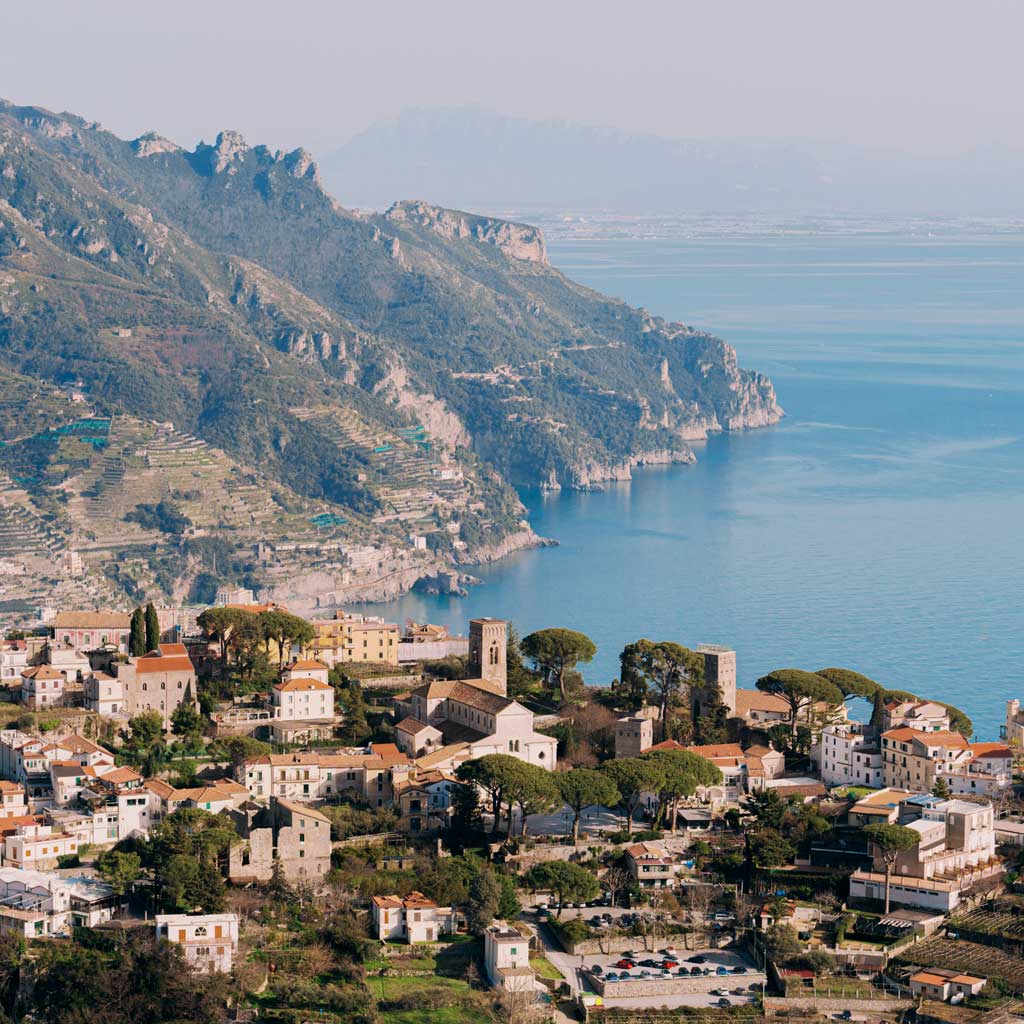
(488, 643)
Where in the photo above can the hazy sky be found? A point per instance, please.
(922, 75)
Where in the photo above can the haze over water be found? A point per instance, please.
(877, 527)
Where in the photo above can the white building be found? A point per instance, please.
(209, 941)
(849, 754)
(955, 855)
(366, 774)
(41, 687)
(416, 918)
(924, 715)
(13, 658)
(507, 958)
(988, 773)
(303, 693)
(37, 846)
(473, 720)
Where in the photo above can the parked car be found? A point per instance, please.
(741, 991)
(846, 1015)
(625, 964)
(696, 959)
(739, 969)
(649, 963)
(719, 991)
(723, 1003)
(693, 970)
(606, 917)
(595, 921)
(597, 969)
(721, 970)
(611, 976)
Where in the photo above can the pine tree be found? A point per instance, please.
(711, 725)
(137, 640)
(152, 628)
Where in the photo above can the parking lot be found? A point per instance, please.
(703, 978)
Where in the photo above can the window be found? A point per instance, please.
(200, 931)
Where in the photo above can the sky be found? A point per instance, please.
(927, 76)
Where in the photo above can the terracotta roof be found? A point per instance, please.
(80, 745)
(163, 660)
(475, 696)
(800, 789)
(387, 902)
(412, 726)
(303, 810)
(302, 683)
(947, 740)
(41, 672)
(306, 664)
(755, 700)
(991, 750)
(92, 620)
(441, 755)
(173, 649)
(121, 775)
(9, 787)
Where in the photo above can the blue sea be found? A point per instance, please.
(878, 527)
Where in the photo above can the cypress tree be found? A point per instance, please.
(137, 639)
(152, 628)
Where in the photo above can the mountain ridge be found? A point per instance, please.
(402, 368)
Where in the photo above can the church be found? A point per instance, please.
(446, 722)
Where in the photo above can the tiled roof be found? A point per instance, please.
(947, 740)
(412, 726)
(92, 620)
(163, 660)
(306, 664)
(991, 750)
(42, 672)
(302, 683)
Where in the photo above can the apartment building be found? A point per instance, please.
(414, 918)
(209, 941)
(651, 865)
(215, 797)
(914, 758)
(849, 754)
(955, 856)
(353, 638)
(304, 777)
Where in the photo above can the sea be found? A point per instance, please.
(879, 526)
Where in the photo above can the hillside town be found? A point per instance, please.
(348, 819)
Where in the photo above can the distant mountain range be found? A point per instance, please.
(473, 158)
(210, 370)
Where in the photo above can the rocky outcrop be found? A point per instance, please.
(593, 475)
(150, 144)
(511, 543)
(229, 147)
(520, 241)
(440, 421)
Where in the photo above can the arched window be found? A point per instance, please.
(540, 755)
(144, 686)
(200, 931)
(494, 654)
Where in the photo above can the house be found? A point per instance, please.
(955, 856)
(88, 631)
(743, 771)
(923, 715)
(423, 800)
(104, 694)
(304, 696)
(879, 808)
(942, 985)
(353, 638)
(766, 709)
(651, 865)
(42, 686)
(412, 919)
(914, 758)
(366, 774)
(507, 958)
(37, 846)
(292, 835)
(209, 941)
(13, 658)
(12, 799)
(417, 738)
(849, 754)
(215, 797)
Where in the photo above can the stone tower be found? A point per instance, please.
(488, 644)
(720, 671)
(633, 735)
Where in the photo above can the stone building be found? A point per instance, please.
(160, 681)
(293, 835)
(720, 674)
(488, 647)
(633, 735)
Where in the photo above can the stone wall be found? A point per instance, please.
(672, 986)
(826, 1006)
